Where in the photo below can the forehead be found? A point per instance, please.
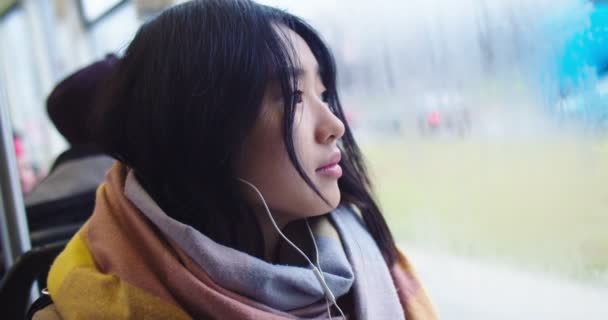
(302, 53)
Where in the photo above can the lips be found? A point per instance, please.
(331, 168)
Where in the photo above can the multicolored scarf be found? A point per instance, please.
(131, 261)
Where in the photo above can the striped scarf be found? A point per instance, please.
(131, 261)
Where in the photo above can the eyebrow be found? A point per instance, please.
(301, 72)
(298, 72)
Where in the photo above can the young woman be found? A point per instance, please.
(239, 191)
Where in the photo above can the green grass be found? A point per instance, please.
(539, 205)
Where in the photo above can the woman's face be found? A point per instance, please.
(316, 131)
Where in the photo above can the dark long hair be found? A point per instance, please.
(187, 93)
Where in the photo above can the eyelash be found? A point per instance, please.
(297, 95)
(325, 96)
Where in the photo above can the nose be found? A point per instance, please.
(330, 128)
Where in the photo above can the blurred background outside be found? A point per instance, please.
(485, 124)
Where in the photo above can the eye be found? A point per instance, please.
(325, 96)
(297, 96)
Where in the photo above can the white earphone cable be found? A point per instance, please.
(274, 223)
(314, 242)
(318, 260)
(329, 296)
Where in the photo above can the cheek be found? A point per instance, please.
(266, 164)
(293, 195)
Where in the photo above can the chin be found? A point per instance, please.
(321, 207)
(315, 206)
(333, 197)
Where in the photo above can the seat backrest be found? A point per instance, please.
(61, 212)
(54, 234)
(15, 288)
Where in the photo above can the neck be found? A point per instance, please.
(269, 232)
